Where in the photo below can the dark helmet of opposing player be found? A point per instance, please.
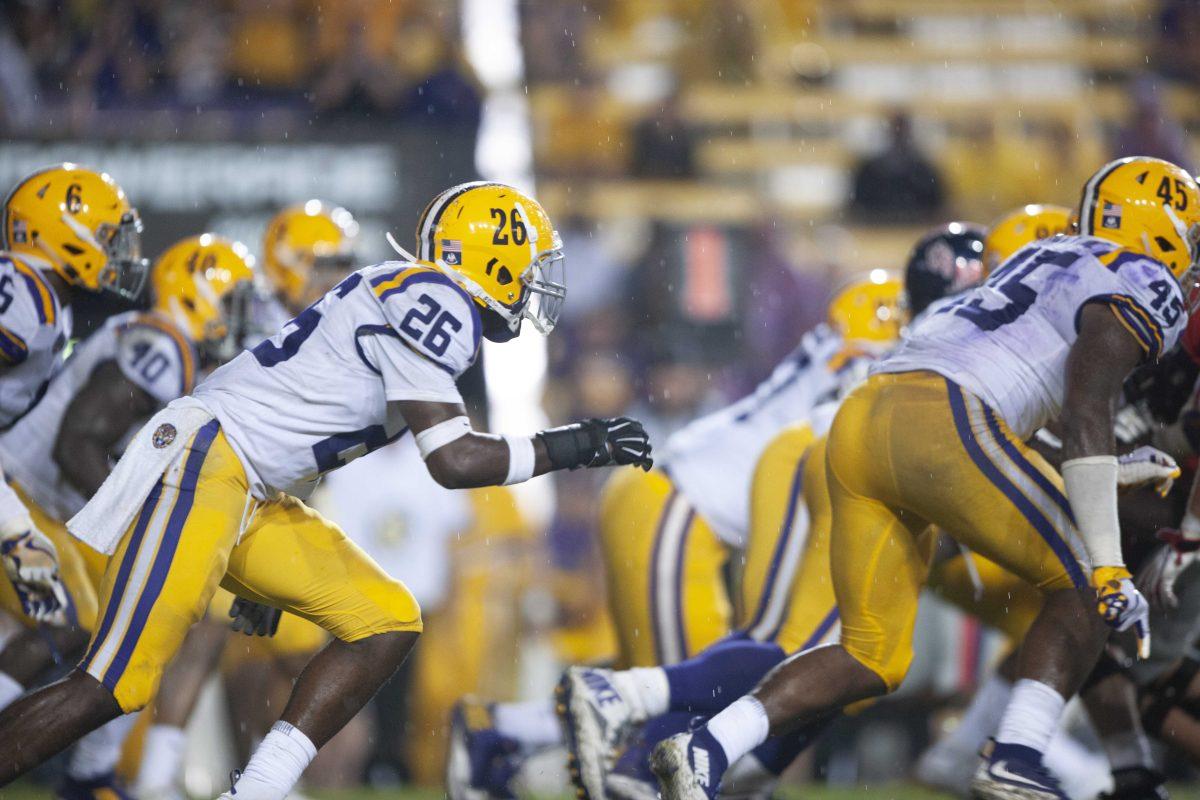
(946, 261)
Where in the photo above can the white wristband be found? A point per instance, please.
(1092, 491)
(441, 435)
(520, 459)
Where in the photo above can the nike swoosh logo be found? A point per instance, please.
(1000, 770)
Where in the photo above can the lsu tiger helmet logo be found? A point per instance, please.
(80, 223)
(869, 310)
(1023, 226)
(204, 284)
(1149, 206)
(498, 244)
(305, 238)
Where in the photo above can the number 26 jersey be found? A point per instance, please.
(1007, 340)
(319, 393)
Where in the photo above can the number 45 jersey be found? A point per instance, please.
(1007, 340)
(319, 393)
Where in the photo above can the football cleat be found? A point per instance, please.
(1014, 772)
(480, 761)
(1137, 783)
(103, 787)
(689, 766)
(597, 721)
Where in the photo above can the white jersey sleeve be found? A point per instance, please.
(156, 358)
(432, 319)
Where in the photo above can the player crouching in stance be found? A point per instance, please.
(210, 491)
(936, 436)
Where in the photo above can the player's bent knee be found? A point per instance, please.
(385, 607)
(890, 667)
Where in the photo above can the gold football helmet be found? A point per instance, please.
(204, 284)
(79, 222)
(868, 310)
(1020, 227)
(1149, 206)
(302, 239)
(497, 243)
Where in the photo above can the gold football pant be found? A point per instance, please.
(72, 569)
(665, 568)
(914, 449)
(199, 528)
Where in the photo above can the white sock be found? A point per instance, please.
(1128, 749)
(276, 765)
(1032, 715)
(98, 752)
(982, 716)
(740, 728)
(10, 690)
(533, 723)
(646, 689)
(162, 759)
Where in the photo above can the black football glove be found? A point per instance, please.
(254, 619)
(598, 443)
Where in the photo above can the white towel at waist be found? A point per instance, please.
(104, 520)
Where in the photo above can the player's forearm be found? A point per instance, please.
(478, 459)
(459, 458)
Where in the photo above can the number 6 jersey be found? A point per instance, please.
(1007, 340)
(318, 394)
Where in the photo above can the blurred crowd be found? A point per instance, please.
(379, 60)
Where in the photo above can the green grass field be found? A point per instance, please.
(890, 792)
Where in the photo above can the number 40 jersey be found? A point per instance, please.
(1007, 340)
(318, 394)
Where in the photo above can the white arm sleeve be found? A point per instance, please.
(1092, 491)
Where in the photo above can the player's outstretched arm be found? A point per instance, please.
(105, 409)
(1103, 355)
(460, 458)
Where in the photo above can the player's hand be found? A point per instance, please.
(1147, 466)
(1121, 605)
(1157, 578)
(626, 441)
(254, 619)
(31, 563)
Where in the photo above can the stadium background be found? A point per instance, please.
(715, 168)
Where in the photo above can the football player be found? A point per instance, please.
(210, 491)
(1053, 334)
(601, 706)
(65, 228)
(59, 453)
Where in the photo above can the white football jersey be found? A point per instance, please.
(1007, 341)
(151, 352)
(34, 328)
(317, 394)
(711, 461)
